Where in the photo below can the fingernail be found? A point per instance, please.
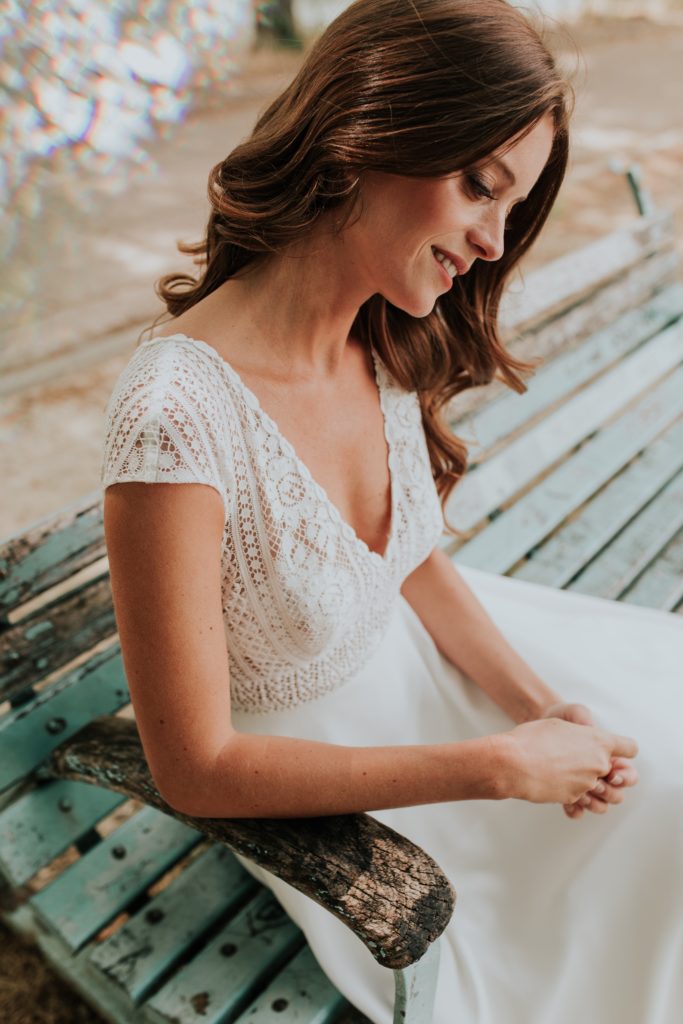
(599, 787)
(617, 780)
(585, 800)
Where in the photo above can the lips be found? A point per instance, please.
(457, 261)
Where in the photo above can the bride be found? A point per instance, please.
(294, 639)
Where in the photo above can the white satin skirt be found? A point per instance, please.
(556, 921)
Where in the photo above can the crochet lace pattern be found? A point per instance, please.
(305, 600)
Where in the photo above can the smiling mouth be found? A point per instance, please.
(449, 268)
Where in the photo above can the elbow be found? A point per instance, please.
(178, 798)
(212, 791)
(189, 797)
(177, 801)
(195, 801)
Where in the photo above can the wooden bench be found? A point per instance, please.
(577, 484)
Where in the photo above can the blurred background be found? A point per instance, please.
(113, 112)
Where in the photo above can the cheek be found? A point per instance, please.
(406, 220)
(442, 208)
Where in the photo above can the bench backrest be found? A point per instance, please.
(577, 483)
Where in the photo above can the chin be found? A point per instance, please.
(425, 310)
(416, 307)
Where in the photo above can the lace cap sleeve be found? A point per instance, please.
(167, 422)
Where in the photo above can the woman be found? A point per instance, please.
(294, 640)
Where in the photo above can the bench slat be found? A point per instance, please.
(561, 557)
(525, 524)
(571, 326)
(638, 544)
(30, 733)
(226, 975)
(497, 480)
(50, 551)
(626, 293)
(99, 886)
(661, 585)
(570, 278)
(568, 372)
(56, 634)
(42, 824)
(300, 994)
(139, 954)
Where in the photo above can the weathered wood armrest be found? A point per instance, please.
(388, 891)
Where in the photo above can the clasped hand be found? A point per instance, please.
(610, 788)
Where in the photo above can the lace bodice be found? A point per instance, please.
(305, 600)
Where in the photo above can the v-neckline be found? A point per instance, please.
(255, 403)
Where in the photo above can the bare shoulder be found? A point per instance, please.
(215, 320)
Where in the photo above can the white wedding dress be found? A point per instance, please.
(556, 921)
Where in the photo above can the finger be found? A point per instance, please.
(609, 794)
(623, 746)
(594, 804)
(573, 811)
(622, 777)
(624, 770)
(580, 714)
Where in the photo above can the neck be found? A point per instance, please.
(299, 307)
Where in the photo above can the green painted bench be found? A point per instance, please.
(577, 483)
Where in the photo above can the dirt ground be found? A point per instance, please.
(87, 292)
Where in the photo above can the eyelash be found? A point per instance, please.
(478, 186)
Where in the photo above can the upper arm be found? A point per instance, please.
(436, 558)
(164, 548)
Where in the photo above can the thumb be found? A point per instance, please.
(577, 713)
(580, 714)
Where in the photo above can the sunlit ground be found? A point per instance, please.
(86, 89)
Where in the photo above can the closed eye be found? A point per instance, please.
(478, 186)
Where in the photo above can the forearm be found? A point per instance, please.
(259, 776)
(465, 633)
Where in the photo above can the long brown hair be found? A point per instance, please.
(418, 88)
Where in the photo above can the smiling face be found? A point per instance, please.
(405, 219)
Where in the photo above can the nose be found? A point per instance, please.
(487, 235)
